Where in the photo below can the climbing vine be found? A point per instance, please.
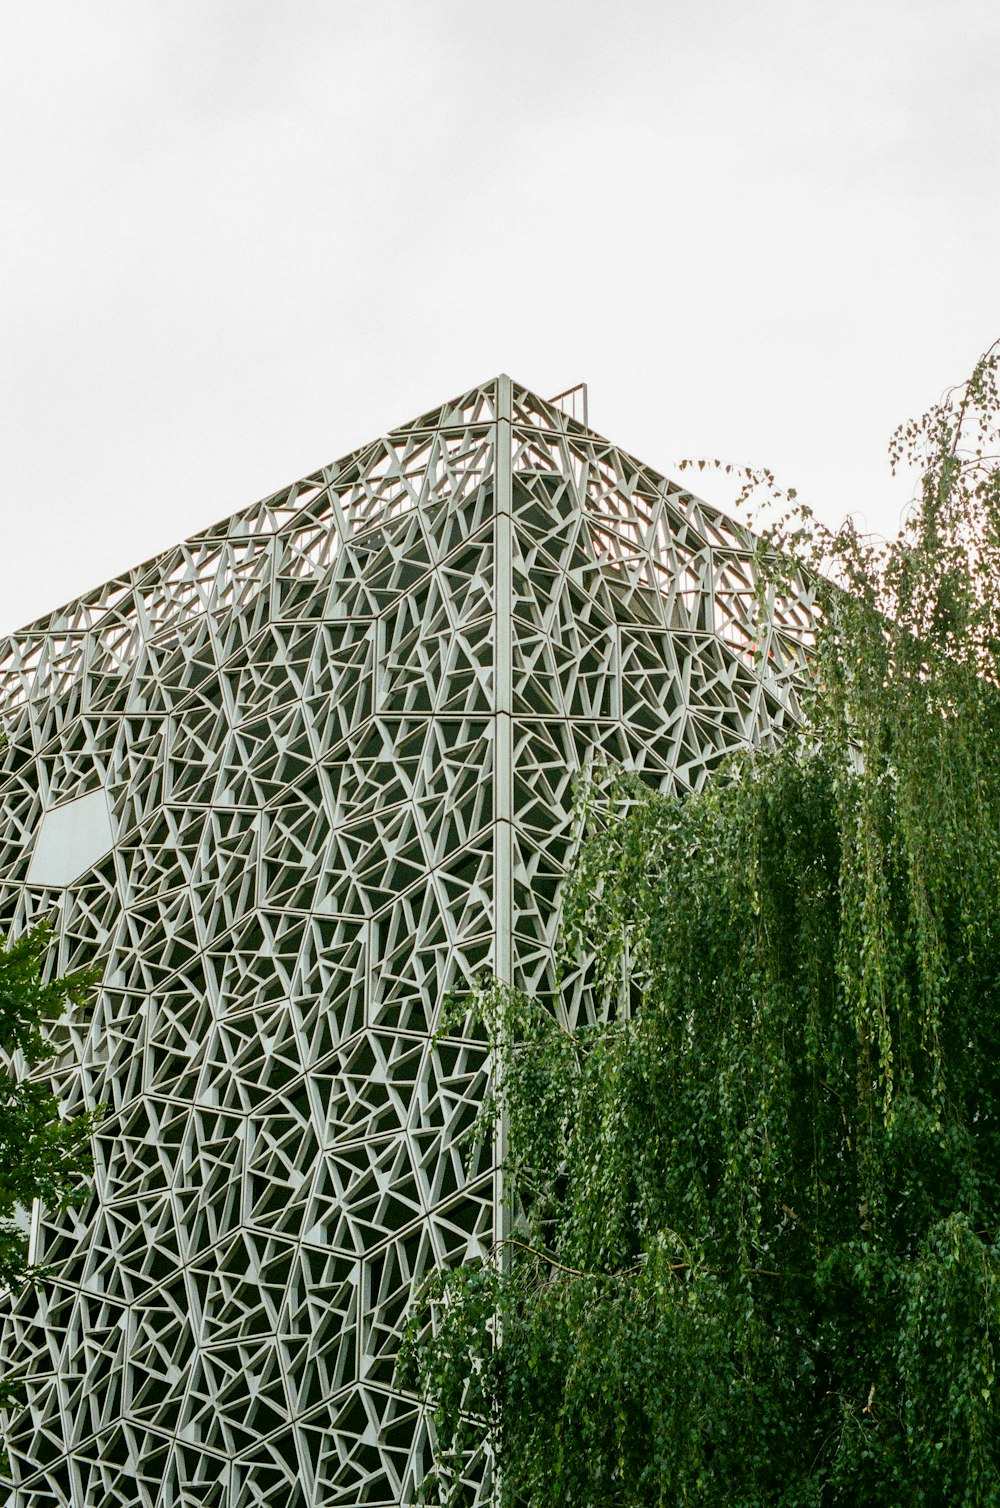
(755, 1254)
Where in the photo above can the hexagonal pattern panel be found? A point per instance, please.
(70, 840)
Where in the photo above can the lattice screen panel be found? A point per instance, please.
(337, 734)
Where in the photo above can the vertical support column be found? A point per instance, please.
(503, 688)
(503, 751)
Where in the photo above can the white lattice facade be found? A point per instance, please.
(291, 782)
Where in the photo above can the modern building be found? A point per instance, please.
(290, 783)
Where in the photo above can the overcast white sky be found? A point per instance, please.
(240, 237)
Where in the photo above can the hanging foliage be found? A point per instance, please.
(756, 1255)
(45, 1155)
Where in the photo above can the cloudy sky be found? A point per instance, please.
(240, 237)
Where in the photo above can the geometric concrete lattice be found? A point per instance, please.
(336, 736)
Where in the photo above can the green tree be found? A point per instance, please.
(44, 1155)
(756, 1254)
